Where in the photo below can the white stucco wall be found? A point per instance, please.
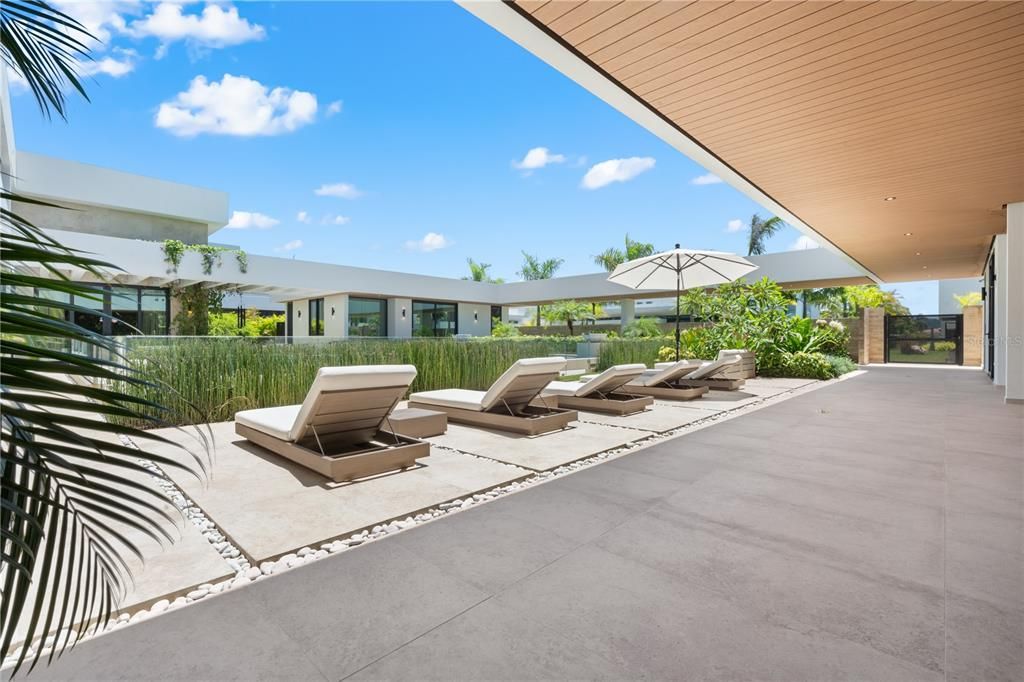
(336, 322)
(474, 319)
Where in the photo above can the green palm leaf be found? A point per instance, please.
(73, 494)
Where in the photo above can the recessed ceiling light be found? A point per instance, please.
(890, 198)
(908, 234)
(924, 267)
(917, 253)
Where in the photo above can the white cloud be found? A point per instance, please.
(706, 179)
(334, 108)
(289, 246)
(101, 18)
(332, 219)
(236, 105)
(616, 170)
(115, 66)
(246, 220)
(432, 241)
(734, 225)
(803, 243)
(538, 157)
(343, 190)
(216, 26)
(302, 217)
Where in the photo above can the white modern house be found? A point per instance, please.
(124, 219)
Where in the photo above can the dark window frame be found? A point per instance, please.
(383, 315)
(316, 317)
(434, 305)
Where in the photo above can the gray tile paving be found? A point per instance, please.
(859, 531)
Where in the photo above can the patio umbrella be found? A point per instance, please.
(681, 269)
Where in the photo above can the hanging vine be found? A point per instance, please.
(174, 250)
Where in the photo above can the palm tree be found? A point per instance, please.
(478, 272)
(534, 268)
(67, 481)
(612, 257)
(568, 312)
(760, 231)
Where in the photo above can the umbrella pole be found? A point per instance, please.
(677, 320)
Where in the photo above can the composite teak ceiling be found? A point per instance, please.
(831, 107)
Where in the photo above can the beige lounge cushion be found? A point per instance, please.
(710, 369)
(608, 381)
(667, 373)
(273, 420)
(521, 368)
(459, 398)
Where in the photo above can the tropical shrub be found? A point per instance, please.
(968, 299)
(502, 330)
(841, 364)
(642, 328)
(226, 324)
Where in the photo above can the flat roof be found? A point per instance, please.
(60, 180)
(819, 111)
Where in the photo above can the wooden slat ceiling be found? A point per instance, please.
(830, 107)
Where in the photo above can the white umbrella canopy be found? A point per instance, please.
(681, 269)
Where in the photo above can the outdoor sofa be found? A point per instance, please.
(605, 392)
(339, 430)
(510, 404)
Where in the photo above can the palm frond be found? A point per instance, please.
(45, 47)
(75, 499)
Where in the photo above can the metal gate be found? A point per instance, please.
(925, 339)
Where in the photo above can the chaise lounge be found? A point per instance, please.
(715, 374)
(507, 404)
(605, 392)
(338, 430)
(662, 381)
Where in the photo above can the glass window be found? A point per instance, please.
(124, 311)
(91, 321)
(316, 317)
(367, 317)
(431, 318)
(153, 311)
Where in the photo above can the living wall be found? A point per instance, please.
(215, 377)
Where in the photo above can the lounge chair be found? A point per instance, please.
(506, 405)
(338, 430)
(606, 392)
(662, 382)
(714, 374)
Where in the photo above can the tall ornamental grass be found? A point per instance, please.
(627, 351)
(215, 377)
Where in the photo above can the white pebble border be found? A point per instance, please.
(245, 573)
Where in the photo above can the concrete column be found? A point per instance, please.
(175, 311)
(974, 339)
(628, 312)
(400, 318)
(873, 340)
(999, 347)
(1013, 285)
(504, 314)
(336, 316)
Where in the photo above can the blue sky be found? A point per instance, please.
(409, 118)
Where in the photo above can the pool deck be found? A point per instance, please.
(871, 529)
